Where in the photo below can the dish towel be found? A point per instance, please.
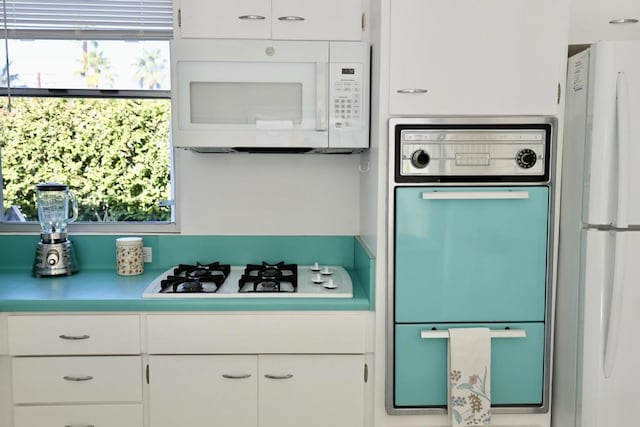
(470, 376)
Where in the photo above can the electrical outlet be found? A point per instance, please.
(147, 254)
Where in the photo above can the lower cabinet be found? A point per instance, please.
(238, 390)
(79, 415)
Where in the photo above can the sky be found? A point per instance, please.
(54, 63)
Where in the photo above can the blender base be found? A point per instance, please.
(55, 259)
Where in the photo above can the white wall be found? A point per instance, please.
(267, 194)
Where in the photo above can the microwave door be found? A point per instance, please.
(255, 104)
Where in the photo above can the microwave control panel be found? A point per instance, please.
(345, 96)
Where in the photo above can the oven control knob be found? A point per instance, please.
(420, 159)
(526, 158)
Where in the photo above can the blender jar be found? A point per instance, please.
(53, 207)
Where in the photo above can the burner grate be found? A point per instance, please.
(265, 277)
(204, 278)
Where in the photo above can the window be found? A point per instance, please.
(84, 101)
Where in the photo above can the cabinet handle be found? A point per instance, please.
(83, 378)
(479, 195)
(236, 377)
(414, 90)
(74, 337)
(291, 18)
(624, 21)
(252, 17)
(79, 425)
(507, 333)
(279, 377)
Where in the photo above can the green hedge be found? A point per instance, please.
(113, 153)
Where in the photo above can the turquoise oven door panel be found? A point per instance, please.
(421, 366)
(470, 254)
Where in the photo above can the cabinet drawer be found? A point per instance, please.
(257, 333)
(79, 415)
(421, 366)
(74, 334)
(77, 379)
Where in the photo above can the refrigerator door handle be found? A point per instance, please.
(622, 131)
(615, 306)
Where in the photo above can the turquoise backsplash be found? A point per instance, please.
(97, 252)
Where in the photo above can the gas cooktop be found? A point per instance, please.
(264, 280)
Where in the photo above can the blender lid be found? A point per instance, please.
(52, 186)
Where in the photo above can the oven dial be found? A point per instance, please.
(420, 159)
(526, 158)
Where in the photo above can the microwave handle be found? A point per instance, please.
(322, 95)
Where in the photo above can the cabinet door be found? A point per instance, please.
(317, 20)
(420, 367)
(249, 19)
(591, 21)
(203, 390)
(477, 57)
(466, 254)
(311, 391)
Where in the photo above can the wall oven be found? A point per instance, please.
(470, 244)
(264, 95)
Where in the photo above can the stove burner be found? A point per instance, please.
(279, 277)
(196, 278)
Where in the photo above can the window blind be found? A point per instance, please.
(88, 19)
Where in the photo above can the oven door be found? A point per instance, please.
(258, 94)
(470, 254)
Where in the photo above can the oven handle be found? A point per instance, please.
(479, 195)
(495, 333)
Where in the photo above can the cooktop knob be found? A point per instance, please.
(526, 158)
(420, 159)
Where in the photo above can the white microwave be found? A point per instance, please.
(270, 96)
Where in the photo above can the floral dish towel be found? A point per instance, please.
(470, 376)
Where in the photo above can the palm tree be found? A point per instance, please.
(94, 67)
(3, 77)
(151, 69)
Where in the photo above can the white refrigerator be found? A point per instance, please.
(596, 380)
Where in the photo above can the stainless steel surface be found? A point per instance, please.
(413, 90)
(74, 337)
(456, 152)
(481, 195)
(278, 377)
(291, 18)
(236, 377)
(55, 259)
(78, 378)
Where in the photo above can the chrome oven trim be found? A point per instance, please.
(552, 158)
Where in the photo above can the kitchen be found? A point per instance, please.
(336, 195)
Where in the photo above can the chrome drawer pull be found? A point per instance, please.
(498, 333)
(84, 378)
(278, 377)
(417, 90)
(252, 17)
(80, 425)
(74, 337)
(236, 377)
(478, 195)
(291, 18)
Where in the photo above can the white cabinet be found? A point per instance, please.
(249, 369)
(593, 20)
(271, 19)
(455, 57)
(311, 390)
(189, 390)
(247, 390)
(76, 370)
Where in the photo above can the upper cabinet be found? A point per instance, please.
(458, 57)
(593, 20)
(270, 19)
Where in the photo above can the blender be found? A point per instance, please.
(54, 253)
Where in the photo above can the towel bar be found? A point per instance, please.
(499, 333)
